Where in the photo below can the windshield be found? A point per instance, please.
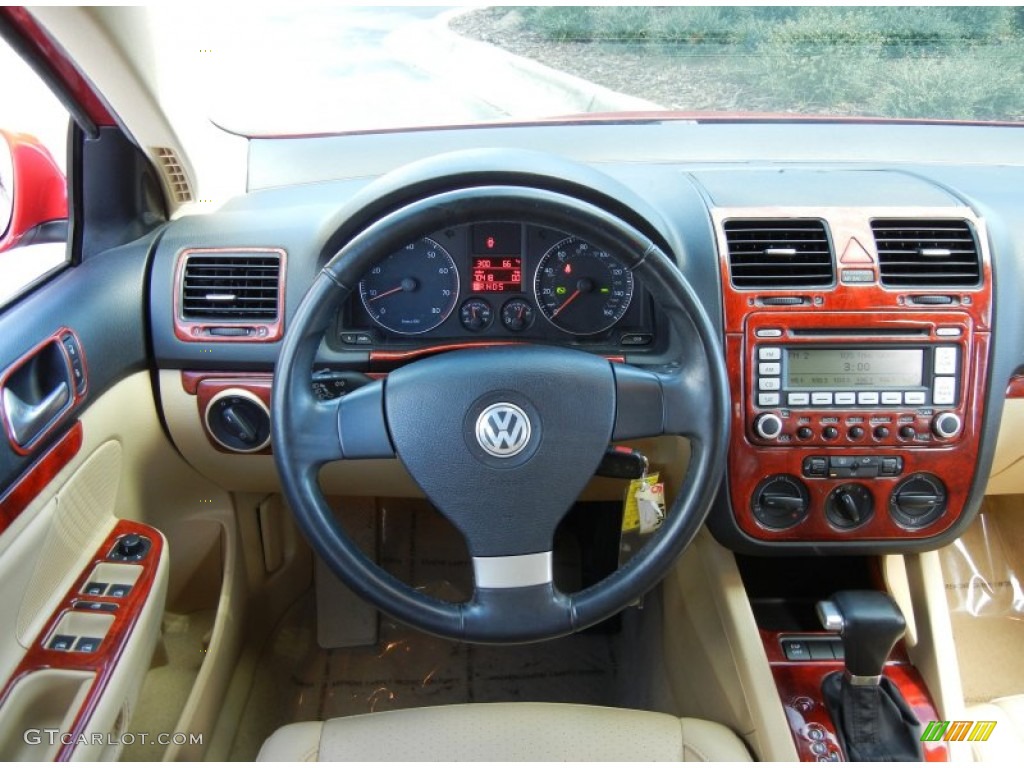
(301, 69)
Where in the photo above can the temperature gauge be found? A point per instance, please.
(517, 315)
(475, 314)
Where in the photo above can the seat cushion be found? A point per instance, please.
(1006, 744)
(518, 732)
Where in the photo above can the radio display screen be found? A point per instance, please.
(854, 368)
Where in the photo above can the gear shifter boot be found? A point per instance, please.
(874, 722)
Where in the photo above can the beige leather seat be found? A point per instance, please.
(1006, 744)
(492, 732)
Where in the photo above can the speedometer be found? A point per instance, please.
(582, 289)
(413, 290)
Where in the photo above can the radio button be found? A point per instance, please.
(798, 398)
(891, 466)
(769, 353)
(946, 425)
(768, 399)
(768, 333)
(867, 398)
(943, 390)
(769, 369)
(945, 360)
(846, 398)
(768, 384)
(821, 398)
(768, 426)
(914, 398)
(892, 398)
(948, 332)
(881, 432)
(815, 466)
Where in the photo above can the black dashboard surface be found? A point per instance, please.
(650, 174)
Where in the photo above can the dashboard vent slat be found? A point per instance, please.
(927, 253)
(783, 253)
(231, 287)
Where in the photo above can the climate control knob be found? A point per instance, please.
(946, 425)
(768, 426)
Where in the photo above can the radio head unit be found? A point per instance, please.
(856, 376)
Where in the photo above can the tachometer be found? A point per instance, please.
(413, 290)
(582, 289)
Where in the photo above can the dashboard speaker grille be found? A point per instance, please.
(927, 252)
(231, 286)
(779, 253)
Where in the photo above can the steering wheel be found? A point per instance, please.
(528, 423)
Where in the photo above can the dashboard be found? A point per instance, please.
(856, 298)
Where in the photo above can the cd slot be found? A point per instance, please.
(861, 333)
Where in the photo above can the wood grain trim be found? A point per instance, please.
(847, 225)
(870, 307)
(751, 459)
(104, 660)
(205, 386)
(380, 355)
(198, 331)
(1015, 389)
(27, 487)
(190, 380)
(799, 688)
(76, 396)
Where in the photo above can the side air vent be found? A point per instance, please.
(927, 253)
(174, 174)
(231, 286)
(779, 253)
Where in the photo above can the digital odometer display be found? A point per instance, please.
(853, 368)
(497, 274)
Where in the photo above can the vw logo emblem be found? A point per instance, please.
(503, 430)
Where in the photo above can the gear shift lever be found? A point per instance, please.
(870, 624)
(873, 721)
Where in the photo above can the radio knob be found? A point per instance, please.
(805, 433)
(881, 432)
(907, 432)
(946, 425)
(830, 433)
(768, 426)
(856, 433)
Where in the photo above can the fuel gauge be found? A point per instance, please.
(517, 315)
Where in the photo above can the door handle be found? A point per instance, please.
(29, 419)
(36, 392)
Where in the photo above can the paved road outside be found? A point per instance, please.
(330, 69)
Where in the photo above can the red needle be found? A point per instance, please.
(566, 303)
(387, 293)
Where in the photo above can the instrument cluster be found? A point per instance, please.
(498, 280)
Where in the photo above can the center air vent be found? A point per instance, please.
(927, 253)
(779, 253)
(236, 286)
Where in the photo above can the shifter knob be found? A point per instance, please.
(870, 623)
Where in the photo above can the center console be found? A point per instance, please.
(858, 399)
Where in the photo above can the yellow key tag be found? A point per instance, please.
(650, 502)
(631, 516)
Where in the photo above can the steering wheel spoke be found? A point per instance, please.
(514, 596)
(653, 403)
(361, 425)
(315, 428)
